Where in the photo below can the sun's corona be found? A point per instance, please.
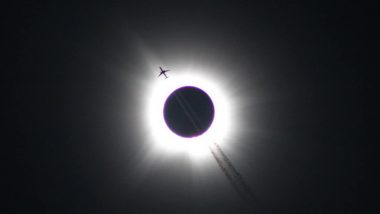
(163, 137)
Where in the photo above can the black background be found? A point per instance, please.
(69, 71)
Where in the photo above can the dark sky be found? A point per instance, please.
(305, 73)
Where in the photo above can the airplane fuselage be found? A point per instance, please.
(163, 72)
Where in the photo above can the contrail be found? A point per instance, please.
(234, 177)
(224, 163)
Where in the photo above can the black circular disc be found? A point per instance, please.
(188, 111)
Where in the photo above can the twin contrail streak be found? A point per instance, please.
(223, 161)
(233, 177)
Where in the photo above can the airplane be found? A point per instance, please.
(163, 72)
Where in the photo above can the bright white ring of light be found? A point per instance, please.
(163, 137)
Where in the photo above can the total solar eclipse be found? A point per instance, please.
(188, 111)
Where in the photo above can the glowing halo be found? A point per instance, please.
(162, 136)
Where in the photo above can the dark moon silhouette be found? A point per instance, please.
(188, 111)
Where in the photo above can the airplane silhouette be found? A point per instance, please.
(163, 72)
